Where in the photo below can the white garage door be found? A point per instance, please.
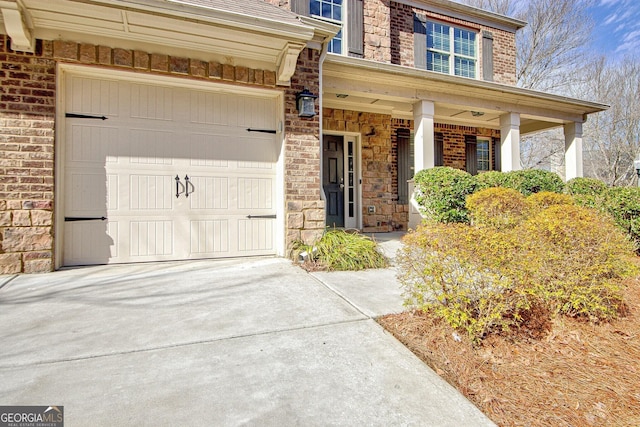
(173, 171)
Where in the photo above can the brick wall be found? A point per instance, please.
(27, 109)
(305, 209)
(401, 18)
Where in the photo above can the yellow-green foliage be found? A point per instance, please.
(496, 207)
(545, 199)
(568, 258)
(441, 272)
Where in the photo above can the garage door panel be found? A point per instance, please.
(255, 235)
(151, 238)
(152, 102)
(151, 192)
(209, 237)
(125, 169)
(92, 96)
(209, 192)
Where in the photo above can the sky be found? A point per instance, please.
(617, 27)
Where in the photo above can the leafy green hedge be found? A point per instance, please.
(442, 191)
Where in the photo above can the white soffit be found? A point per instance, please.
(175, 27)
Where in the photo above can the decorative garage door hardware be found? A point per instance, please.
(262, 130)
(184, 188)
(82, 218)
(262, 216)
(84, 116)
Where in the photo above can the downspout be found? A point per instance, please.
(323, 55)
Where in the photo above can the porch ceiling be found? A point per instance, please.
(392, 89)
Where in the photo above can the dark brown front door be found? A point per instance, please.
(333, 179)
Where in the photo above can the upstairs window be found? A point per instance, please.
(451, 50)
(332, 11)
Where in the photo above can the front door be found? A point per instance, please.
(333, 179)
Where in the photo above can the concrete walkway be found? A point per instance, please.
(251, 342)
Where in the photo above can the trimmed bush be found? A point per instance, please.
(532, 181)
(491, 179)
(441, 193)
(496, 207)
(564, 259)
(546, 199)
(623, 204)
(586, 191)
(341, 251)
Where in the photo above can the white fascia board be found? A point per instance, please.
(215, 16)
(422, 80)
(467, 13)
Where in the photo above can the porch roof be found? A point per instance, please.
(393, 89)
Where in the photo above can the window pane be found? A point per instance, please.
(438, 62)
(464, 42)
(314, 7)
(483, 155)
(438, 36)
(335, 46)
(465, 67)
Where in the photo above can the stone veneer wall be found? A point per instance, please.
(305, 207)
(401, 31)
(27, 122)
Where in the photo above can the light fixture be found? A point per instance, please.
(477, 113)
(636, 164)
(306, 102)
(341, 95)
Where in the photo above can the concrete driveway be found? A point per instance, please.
(238, 342)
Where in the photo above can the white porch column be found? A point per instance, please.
(424, 152)
(510, 142)
(573, 150)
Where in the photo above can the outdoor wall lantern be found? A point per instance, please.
(306, 103)
(636, 163)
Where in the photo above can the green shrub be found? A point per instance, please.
(585, 187)
(545, 199)
(441, 193)
(342, 251)
(586, 191)
(496, 207)
(532, 181)
(564, 259)
(623, 204)
(491, 179)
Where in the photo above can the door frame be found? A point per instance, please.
(64, 70)
(354, 222)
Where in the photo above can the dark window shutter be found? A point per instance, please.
(355, 27)
(405, 163)
(487, 56)
(301, 7)
(497, 164)
(438, 149)
(471, 154)
(420, 41)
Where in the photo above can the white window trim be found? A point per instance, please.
(345, 18)
(451, 52)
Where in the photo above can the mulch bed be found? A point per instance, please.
(575, 374)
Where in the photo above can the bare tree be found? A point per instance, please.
(612, 137)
